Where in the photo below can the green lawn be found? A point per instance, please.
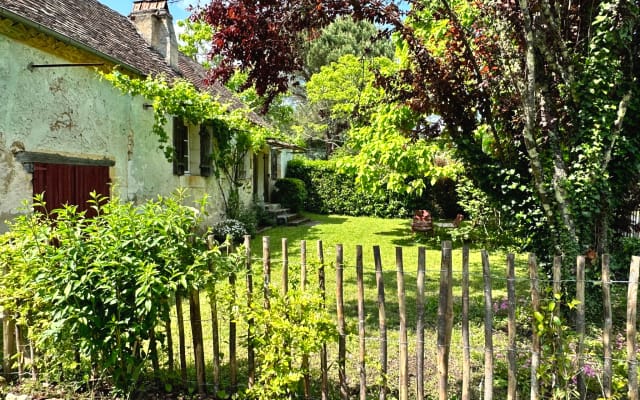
(388, 234)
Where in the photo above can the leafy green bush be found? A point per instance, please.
(622, 249)
(291, 193)
(264, 218)
(248, 216)
(490, 225)
(333, 192)
(294, 326)
(630, 247)
(93, 290)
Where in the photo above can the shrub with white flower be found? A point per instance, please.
(231, 228)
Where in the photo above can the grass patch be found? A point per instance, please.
(389, 234)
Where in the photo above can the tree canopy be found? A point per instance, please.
(266, 39)
(539, 99)
(344, 36)
(325, 130)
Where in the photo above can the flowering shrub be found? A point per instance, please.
(229, 228)
(501, 305)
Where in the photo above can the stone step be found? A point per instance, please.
(272, 206)
(278, 211)
(283, 218)
(299, 220)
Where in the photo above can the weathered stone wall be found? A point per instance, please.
(15, 182)
(70, 111)
(286, 155)
(66, 111)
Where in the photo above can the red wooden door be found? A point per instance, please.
(70, 184)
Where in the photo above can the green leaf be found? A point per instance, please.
(67, 289)
(538, 316)
(573, 303)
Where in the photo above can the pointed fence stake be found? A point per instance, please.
(512, 350)
(488, 328)
(632, 344)
(607, 367)
(445, 320)
(403, 373)
(382, 323)
(535, 338)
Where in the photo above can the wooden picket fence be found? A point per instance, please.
(365, 375)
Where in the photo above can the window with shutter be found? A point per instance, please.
(206, 150)
(180, 147)
(274, 163)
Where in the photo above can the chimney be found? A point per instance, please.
(155, 24)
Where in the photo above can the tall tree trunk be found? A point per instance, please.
(530, 109)
(532, 103)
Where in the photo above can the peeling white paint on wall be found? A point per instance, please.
(15, 183)
(70, 111)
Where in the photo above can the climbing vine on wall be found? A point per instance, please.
(181, 98)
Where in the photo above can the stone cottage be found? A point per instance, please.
(65, 132)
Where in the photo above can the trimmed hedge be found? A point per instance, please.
(333, 192)
(291, 193)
